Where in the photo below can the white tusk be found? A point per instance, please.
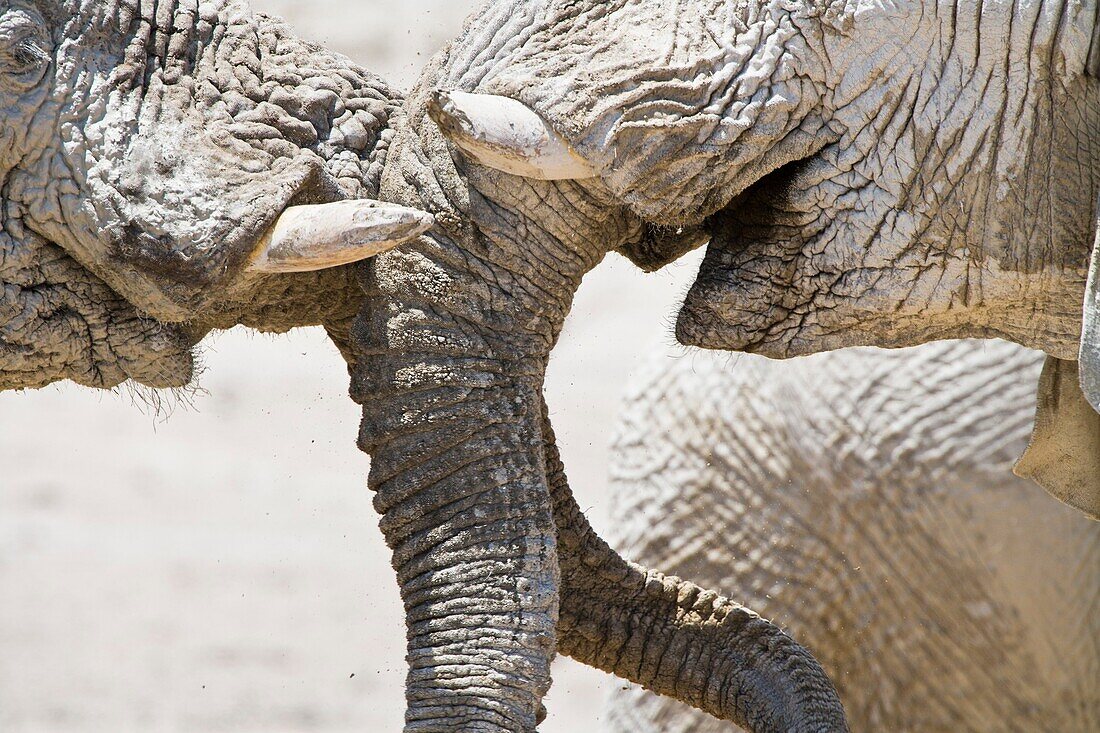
(316, 237)
(502, 133)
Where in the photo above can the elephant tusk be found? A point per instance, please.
(316, 237)
(502, 133)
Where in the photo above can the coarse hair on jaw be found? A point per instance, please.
(162, 403)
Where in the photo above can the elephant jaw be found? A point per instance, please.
(723, 311)
(94, 335)
(776, 281)
(746, 287)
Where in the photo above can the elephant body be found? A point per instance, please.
(864, 500)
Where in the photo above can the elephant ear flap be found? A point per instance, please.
(1064, 454)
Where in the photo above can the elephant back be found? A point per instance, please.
(864, 500)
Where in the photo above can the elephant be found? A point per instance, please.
(861, 173)
(168, 171)
(452, 331)
(865, 500)
(858, 185)
(172, 168)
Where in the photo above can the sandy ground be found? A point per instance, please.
(221, 569)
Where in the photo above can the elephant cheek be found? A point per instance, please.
(176, 230)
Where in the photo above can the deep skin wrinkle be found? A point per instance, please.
(855, 163)
(871, 173)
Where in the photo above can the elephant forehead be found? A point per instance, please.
(683, 67)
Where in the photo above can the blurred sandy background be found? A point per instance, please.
(222, 569)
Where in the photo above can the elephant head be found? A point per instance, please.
(170, 168)
(870, 173)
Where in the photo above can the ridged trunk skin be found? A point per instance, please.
(452, 348)
(447, 422)
(465, 512)
(678, 639)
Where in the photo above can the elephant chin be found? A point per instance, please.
(718, 313)
(769, 285)
(759, 297)
(741, 298)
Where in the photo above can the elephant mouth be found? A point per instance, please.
(752, 292)
(755, 286)
(69, 320)
(298, 222)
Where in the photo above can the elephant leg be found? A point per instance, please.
(675, 638)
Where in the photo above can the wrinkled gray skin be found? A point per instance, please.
(865, 500)
(141, 158)
(143, 152)
(879, 173)
(872, 173)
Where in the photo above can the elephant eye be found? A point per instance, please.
(24, 48)
(27, 56)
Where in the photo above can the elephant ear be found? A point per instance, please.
(1064, 454)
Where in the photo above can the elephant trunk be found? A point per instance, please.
(677, 639)
(451, 350)
(451, 422)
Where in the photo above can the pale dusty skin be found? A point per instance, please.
(865, 500)
(868, 173)
(288, 589)
(147, 594)
(681, 111)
